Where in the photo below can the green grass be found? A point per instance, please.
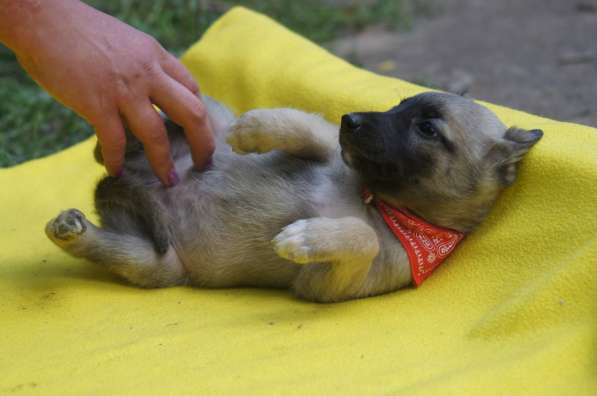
(33, 125)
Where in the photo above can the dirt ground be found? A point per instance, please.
(535, 55)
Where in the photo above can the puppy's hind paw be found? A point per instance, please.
(67, 226)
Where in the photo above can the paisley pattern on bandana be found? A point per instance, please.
(426, 245)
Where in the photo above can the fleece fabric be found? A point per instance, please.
(512, 312)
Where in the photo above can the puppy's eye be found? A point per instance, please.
(427, 130)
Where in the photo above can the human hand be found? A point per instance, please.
(108, 73)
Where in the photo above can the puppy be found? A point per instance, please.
(292, 201)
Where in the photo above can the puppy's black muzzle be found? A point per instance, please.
(363, 133)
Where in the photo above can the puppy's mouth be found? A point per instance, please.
(373, 168)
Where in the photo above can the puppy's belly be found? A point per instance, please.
(225, 252)
(224, 220)
(245, 269)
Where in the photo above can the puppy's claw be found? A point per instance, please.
(293, 251)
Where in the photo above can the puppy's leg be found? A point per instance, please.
(295, 132)
(337, 254)
(129, 256)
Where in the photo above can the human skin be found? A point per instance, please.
(111, 75)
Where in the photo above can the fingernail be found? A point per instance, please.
(173, 178)
(118, 173)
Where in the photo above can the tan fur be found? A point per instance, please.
(292, 216)
(293, 131)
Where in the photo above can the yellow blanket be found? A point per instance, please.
(513, 312)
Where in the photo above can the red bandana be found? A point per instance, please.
(427, 245)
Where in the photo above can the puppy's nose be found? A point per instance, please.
(352, 121)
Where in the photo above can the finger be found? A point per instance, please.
(145, 123)
(186, 110)
(112, 140)
(178, 72)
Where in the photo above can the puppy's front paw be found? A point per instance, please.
(292, 243)
(307, 241)
(68, 226)
(249, 135)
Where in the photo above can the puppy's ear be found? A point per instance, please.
(508, 152)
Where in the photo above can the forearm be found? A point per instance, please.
(16, 19)
(24, 24)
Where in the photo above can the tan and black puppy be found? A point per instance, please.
(282, 205)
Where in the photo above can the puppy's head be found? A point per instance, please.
(443, 156)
